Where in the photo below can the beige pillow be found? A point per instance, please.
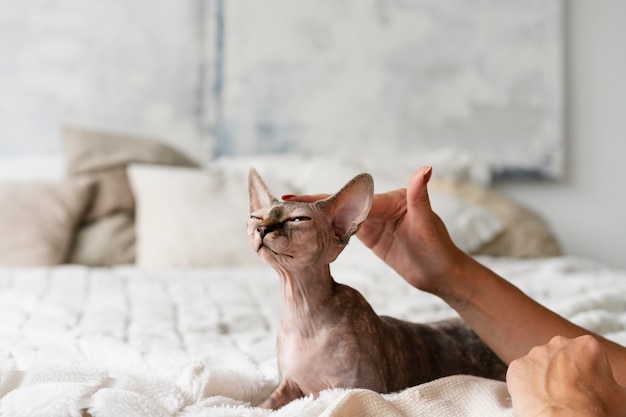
(107, 241)
(113, 193)
(189, 217)
(88, 150)
(525, 234)
(103, 156)
(38, 220)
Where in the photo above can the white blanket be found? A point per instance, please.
(200, 342)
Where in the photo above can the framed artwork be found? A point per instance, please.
(392, 76)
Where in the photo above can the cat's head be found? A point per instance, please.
(299, 235)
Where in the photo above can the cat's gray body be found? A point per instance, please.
(329, 335)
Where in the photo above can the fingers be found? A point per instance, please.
(389, 205)
(417, 192)
(304, 198)
(393, 204)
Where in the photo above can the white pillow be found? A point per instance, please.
(190, 217)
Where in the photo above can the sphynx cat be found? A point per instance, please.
(329, 335)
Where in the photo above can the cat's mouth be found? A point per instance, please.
(262, 246)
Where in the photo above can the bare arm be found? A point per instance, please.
(500, 313)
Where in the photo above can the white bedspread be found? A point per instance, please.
(132, 342)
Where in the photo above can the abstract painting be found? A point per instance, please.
(393, 76)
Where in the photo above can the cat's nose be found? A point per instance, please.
(264, 229)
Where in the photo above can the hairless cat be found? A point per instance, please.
(329, 335)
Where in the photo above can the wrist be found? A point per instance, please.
(466, 280)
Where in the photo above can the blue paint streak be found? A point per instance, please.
(218, 81)
(222, 142)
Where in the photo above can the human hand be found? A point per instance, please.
(403, 231)
(566, 377)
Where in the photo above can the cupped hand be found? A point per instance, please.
(406, 234)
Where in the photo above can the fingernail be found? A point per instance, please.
(288, 196)
(428, 174)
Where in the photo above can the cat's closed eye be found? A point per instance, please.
(299, 219)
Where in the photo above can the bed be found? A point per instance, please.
(127, 288)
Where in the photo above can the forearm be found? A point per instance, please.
(509, 321)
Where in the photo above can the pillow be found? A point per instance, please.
(88, 150)
(113, 194)
(524, 234)
(107, 241)
(38, 220)
(104, 156)
(191, 218)
(470, 226)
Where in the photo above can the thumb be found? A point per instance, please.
(417, 191)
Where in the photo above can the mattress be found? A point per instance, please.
(135, 341)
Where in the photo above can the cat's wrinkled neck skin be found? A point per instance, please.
(300, 252)
(305, 292)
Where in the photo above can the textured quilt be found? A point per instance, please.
(77, 341)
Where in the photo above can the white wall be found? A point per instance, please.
(587, 209)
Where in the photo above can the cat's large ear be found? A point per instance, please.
(260, 195)
(349, 207)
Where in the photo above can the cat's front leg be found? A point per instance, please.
(286, 392)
